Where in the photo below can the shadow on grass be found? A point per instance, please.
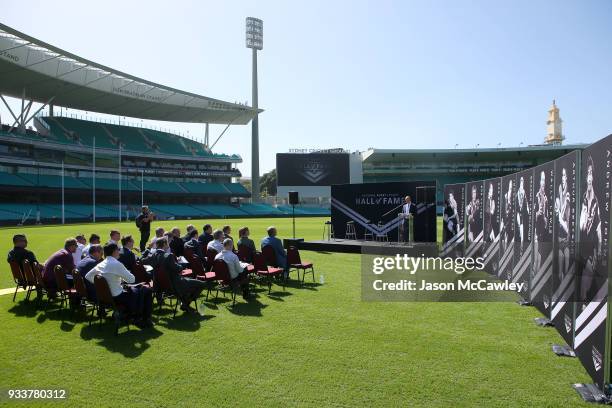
(185, 321)
(24, 308)
(251, 307)
(130, 343)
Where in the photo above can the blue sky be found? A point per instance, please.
(358, 74)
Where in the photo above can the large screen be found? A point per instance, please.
(312, 169)
(374, 208)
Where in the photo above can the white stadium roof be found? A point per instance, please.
(51, 75)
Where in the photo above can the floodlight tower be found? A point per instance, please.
(254, 40)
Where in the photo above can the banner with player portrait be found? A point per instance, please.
(523, 230)
(593, 267)
(506, 235)
(474, 215)
(453, 220)
(542, 258)
(491, 222)
(564, 245)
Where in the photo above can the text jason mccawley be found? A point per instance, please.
(411, 265)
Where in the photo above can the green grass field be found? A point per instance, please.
(317, 345)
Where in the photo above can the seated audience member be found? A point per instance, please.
(19, 253)
(94, 239)
(206, 236)
(187, 289)
(186, 237)
(217, 242)
(234, 266)
(159, 232)
(126, 255)
(78, 254)
(194, 244)
(227, 230)
(62, 257)
(175, 242)
(245, 241)
(115, 236)
(86, 264)
(136, 299)
(277, 245)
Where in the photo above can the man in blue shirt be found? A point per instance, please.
(277, 245)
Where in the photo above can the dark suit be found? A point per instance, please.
(195, 246)
(19, 255)
(204, 239)
(85, 265)
(176, 246)
(412, 210)
(127, 258)
(186, 289)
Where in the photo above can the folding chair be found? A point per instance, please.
(245, 254)
(41, 285)
(295, 262)
(140, 273)
(264, 271)
(162, 288)
(18, 278)
(210, 258)
(29, 276)
(104, 299)
(65, 291)
(188, 253)
(223, 276)
(201, 274)
(81, 290)
(270, 258)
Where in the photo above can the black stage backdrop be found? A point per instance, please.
(492, 188)
(523, 230)
(474, 218)
(453, 239)
(366, 203)
(543, 210)
(506, 239)
(564, 245)
(312, 169)
(593, 268)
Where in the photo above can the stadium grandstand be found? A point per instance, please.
(449, 166)
(70, 167)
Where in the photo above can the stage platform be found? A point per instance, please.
(350, 246)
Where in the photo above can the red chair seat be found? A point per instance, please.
(250, 268)
(271, 271)
(206, 276)
(303, 265)
(187, 272)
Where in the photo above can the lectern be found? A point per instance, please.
(405, 221)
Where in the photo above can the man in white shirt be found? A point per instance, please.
(115, 236)
(78, 254)
(234, 266)
(138, 300)
(159, 233)
(217, 242)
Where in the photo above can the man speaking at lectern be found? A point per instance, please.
(408, 208)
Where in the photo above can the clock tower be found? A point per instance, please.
(554, 134)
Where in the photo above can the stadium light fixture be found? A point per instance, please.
(254, 33)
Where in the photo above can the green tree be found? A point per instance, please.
(268, 182)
